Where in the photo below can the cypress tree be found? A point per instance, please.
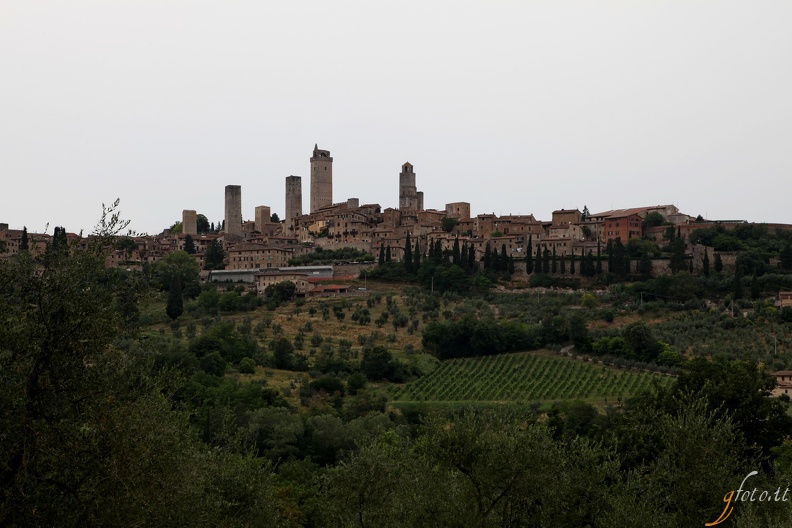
(189, 245)
(456, 255)
(737, 285)
(599, 258)
(677, 263)
(463, 256)
(388, 254)
(408, 261)
(529, 256)
(503, 264)
(487, 259)
(755, 292)
(705, 263)
(546, 261)
(438, 256)
(417, 257)
(510, 267)
(472, 258)
(175, 306)
(381, 260)
(538, 263)
(23, 244)
(589, 265)
(618, 259)
(555, 265)
(572, 263)
(718, 263)
(690, 267)
(563, 265)
(609, 251)
(645, 265)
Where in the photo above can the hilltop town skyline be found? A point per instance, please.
(279, 203)
(517, 108)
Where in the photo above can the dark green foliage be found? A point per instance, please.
(718, 263)
(377, 363)
(486, 260)
(214, 259)
(175, 306)
(283, 352)
(653, 219)
(202, 224)
(247, 366)
(449, 224)
(571, 263)
(738, 389)
(224, 339)
(331, 256)
(617, 259)
(213, 364)
(408, 260)
(189, 245)
(24, 243)
(786, 257)
(456, 255)
(529, 265)
(381, 259)
(705, 263)
(178, 264)
(645, 266)
(599, 258)
(388, 254)
(88, 437)
(391, 272)
(280, 292)
(587, 267)
(638, 336)
(752, 263)
(470, 337)
(554, 267)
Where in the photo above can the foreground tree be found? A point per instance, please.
(87, 435)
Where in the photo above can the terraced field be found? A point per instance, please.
(522, 376)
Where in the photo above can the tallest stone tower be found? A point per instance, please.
(321, 179)
(233, 210)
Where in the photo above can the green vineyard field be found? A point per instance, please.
(522, 377)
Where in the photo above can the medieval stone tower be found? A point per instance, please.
(262, 217)
(293, 199)
(409, 197)
(233, 210)
(321, 179)
(189, 222)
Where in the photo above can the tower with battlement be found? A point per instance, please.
(189, 222)
(321, 179)
(233, 210)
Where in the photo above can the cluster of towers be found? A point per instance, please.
(410, 199)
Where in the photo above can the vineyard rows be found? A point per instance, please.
(522, 377)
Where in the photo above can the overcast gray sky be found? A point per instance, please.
(514, 106)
